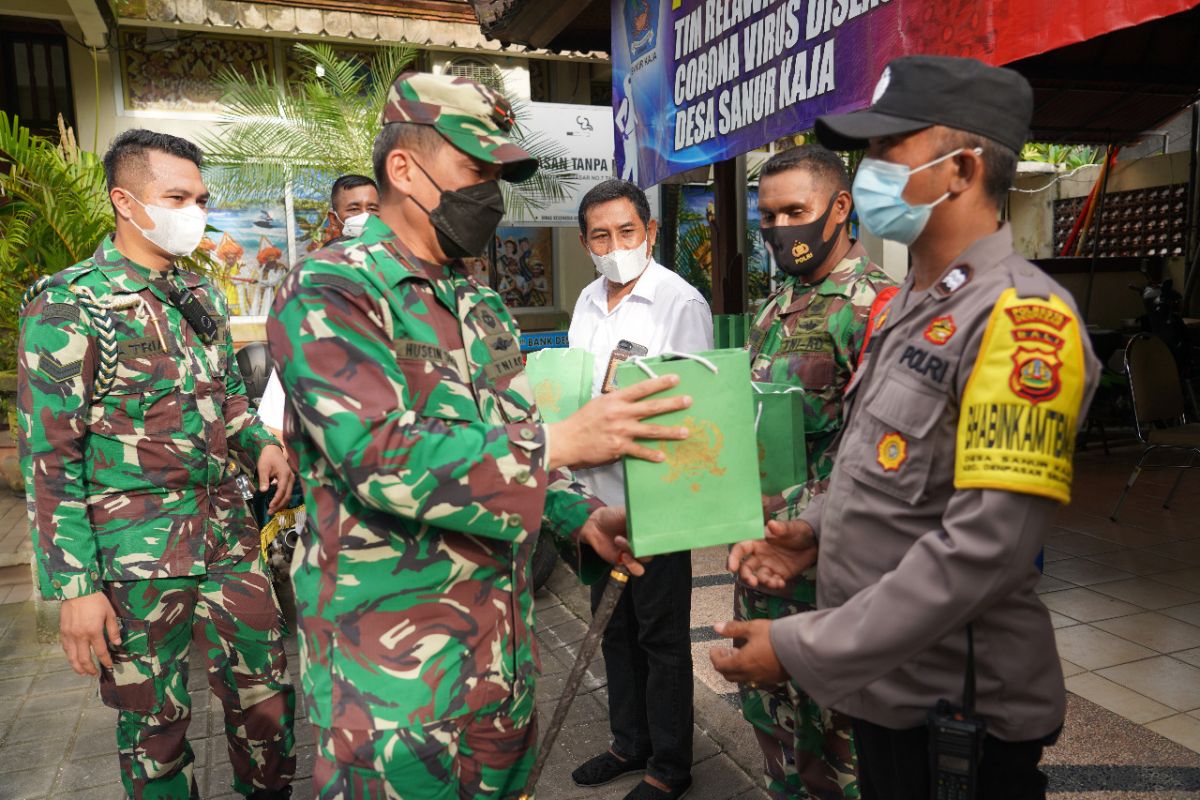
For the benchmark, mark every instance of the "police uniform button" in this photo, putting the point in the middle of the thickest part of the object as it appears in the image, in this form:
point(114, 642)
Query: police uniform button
point(513, 522)
point(523, 476)
point(56, 583)
point(527, 434)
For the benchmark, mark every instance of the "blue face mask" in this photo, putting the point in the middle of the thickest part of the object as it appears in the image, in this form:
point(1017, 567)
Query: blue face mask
point(879, 197)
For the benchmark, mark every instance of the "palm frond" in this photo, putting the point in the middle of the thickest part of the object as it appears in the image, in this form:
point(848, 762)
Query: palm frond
point(55, 212)
point(269, 136)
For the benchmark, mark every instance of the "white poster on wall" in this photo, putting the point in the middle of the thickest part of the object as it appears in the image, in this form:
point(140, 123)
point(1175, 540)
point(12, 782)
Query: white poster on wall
point(584, 134)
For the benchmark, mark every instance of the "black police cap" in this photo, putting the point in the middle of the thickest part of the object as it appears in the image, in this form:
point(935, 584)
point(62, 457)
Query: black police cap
point(916, 92)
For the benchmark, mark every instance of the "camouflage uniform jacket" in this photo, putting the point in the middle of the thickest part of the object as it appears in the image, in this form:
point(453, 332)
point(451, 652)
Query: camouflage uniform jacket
point(423, 462)
point(132, 484)
point(811, 336)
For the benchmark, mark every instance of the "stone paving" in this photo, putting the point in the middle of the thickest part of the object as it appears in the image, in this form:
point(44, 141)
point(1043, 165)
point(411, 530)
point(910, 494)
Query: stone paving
point(57, 740)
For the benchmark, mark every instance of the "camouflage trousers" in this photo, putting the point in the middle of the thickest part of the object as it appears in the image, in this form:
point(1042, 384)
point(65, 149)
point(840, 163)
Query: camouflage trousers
point(476, 756)
point(808, 751)
point(236, 621)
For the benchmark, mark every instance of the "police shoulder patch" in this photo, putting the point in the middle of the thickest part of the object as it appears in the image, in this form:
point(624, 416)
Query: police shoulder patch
point(1020, 409)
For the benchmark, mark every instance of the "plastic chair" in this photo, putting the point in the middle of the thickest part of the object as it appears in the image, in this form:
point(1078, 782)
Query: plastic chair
point(1158, 410)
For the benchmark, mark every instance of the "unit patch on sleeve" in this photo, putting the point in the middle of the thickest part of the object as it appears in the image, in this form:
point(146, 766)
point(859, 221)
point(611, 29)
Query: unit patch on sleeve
point(940, 330)
point(892, 451)
point(1020, 409)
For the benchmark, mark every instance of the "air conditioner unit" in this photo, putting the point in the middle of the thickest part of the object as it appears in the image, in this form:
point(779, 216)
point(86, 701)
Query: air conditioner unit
point(474, 69)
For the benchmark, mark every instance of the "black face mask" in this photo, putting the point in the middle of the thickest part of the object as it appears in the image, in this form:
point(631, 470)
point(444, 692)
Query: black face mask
point(799, 249)
point(466, 219)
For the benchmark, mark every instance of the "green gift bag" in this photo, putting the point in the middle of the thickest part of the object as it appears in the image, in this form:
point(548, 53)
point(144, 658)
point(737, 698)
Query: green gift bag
point(561, 379)
point(743, 334)
point(720, 331)
point(730, 331)
point(779, 425)
point(707, 490)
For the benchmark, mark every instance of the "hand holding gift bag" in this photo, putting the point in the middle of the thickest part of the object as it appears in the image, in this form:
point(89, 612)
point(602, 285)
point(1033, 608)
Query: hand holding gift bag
point(561, 379)
point(779, 424)
point(707, 491)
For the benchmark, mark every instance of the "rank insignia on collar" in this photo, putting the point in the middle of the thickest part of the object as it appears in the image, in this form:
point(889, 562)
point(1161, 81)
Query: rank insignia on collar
point(892, 451)
point(954, 280)
point(940, 330)
point(880, 320)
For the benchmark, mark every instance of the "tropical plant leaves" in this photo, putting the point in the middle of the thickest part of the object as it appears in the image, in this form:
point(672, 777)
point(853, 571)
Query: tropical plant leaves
point(324, 125)
point(1067, 156)
point(54, 212)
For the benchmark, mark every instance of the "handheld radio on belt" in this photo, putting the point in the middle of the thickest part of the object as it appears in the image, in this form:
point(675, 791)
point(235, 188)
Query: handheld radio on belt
point(956, 741)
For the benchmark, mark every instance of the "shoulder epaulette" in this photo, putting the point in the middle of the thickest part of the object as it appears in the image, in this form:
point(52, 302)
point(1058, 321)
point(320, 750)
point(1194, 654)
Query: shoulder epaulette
point(86, 305)
point(64, 277)
point(347, 285)
point(1028, 280)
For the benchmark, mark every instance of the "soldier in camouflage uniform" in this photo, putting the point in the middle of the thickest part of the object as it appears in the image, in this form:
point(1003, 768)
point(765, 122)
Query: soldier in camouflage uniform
point(809, 333)
point(427, 470)
point(131, 407)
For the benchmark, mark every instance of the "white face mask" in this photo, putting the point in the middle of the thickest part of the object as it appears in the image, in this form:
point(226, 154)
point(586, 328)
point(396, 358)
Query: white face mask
point(353, 226)
point(622, 266)
point(176, 230)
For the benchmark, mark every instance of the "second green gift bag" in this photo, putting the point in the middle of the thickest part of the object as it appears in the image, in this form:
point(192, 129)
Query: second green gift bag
point(779, 419)
point(707, 491)
point(561, 381)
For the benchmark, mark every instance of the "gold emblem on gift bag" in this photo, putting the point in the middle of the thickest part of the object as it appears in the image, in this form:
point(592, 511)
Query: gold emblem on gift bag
point(547, 395)
point(696, 455)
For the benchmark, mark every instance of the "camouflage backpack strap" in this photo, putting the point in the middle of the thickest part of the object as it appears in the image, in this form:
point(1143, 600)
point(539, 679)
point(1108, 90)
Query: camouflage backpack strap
point(106, 335)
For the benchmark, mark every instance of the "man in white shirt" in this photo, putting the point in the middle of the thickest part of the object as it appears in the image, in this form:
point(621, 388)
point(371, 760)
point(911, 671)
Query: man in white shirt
point(639, 307)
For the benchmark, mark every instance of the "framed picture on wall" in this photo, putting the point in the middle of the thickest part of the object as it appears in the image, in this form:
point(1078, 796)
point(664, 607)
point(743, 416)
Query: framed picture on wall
point(520, 267)
point(249, 253)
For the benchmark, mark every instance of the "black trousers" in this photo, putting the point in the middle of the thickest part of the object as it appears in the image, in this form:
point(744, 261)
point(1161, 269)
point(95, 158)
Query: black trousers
point(894, 765)
point(648, 656)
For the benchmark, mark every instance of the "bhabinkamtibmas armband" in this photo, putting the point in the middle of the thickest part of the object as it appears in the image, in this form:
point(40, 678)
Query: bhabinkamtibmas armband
point(1020, 410)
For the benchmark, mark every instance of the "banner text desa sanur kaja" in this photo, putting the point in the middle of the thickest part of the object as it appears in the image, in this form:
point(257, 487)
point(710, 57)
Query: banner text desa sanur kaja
point(699, 81)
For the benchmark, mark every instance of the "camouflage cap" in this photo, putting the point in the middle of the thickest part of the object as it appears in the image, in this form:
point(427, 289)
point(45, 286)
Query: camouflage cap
point(475, 119)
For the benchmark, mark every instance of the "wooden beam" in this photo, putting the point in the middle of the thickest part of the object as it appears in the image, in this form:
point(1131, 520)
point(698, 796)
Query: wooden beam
point(534, 23)
point(433, 10)
point(728, 268)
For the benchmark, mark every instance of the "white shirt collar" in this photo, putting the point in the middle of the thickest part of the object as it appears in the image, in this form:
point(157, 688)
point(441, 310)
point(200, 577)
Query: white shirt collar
point(645, 288)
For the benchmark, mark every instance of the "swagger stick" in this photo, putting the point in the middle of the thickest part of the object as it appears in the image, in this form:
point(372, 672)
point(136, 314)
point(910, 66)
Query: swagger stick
point(617, 578)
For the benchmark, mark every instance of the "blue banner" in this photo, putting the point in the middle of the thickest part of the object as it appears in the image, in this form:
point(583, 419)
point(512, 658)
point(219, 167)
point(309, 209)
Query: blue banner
point(699, 81)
